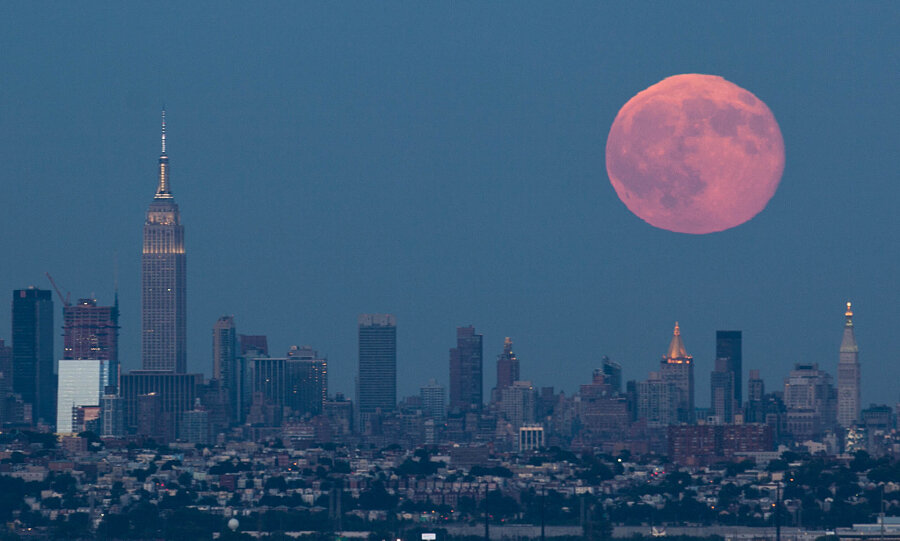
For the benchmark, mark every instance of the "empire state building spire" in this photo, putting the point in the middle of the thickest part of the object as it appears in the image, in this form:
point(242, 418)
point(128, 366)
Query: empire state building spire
point(163, 191)
point(163, 279)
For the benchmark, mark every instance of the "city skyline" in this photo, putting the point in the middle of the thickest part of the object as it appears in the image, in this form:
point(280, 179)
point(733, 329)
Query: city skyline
point(455, 194)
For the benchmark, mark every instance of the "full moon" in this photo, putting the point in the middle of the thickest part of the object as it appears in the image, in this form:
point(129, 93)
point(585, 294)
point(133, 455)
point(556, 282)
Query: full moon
point(695, 154)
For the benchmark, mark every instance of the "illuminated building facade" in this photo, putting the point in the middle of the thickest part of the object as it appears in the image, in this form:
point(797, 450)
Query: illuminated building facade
point(91, 331)
point(848, 406)
point(531, 437)
point(164, 275)
point(466, 371)
point(677, 368)
point(81, 383)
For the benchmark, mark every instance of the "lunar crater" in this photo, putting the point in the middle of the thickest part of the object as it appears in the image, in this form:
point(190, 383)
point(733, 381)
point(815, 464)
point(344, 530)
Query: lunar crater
point(695, 154)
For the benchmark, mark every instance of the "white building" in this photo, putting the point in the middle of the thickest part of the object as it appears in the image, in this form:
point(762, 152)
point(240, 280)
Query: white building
point(433, 402)
point(531, 437)
point(81, 383)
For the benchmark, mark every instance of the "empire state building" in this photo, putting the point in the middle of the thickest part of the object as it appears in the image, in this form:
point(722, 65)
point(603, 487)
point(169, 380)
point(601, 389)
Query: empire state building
point(163, 279)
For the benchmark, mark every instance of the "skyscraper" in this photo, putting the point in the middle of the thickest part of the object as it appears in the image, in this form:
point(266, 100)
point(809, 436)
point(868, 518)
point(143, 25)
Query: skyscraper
point(507, 367)
point(721, 383)
point(810, 399)
point(848, 375)
point(226, 369)
point(91, 331)
point(224, 349)
point(6, 370)
point(377, 381)
point(163, 279)
point(756, 391)
point(466, 371)
point(307, 380)
point(728, 347)
point(433, 401)
point(32, 338)
point(677, 368)
point(612, 374)
point(657, 401)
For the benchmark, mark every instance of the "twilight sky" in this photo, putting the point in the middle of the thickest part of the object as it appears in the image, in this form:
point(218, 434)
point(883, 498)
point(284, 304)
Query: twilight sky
point(445, 162)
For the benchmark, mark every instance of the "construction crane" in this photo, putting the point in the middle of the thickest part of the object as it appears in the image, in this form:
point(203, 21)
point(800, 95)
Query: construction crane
point(67, 300)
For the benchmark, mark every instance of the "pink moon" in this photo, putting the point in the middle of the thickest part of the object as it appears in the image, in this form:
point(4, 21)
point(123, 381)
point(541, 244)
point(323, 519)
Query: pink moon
point(695, 154)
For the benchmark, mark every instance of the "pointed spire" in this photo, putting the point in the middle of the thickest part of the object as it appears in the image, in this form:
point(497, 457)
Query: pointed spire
point(163, 191)
point(848, 342)
point(676, 346)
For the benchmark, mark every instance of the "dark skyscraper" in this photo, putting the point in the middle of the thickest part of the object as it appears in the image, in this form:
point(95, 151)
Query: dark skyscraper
point(175, 394)
point(32, 337)
point(507, 367)
point(257, 342)
point(377, 380)
point(225, 346)
point(6, 372)
point(612, 374)
point(721, 384)
point(307, 380)
point(163, 274)
point(728, 346)
point(226, 368)
point(91, 331)
point(466, 371)
point(756, 391)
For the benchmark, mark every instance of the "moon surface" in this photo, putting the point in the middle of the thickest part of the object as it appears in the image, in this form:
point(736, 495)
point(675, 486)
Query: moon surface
point(695, 154)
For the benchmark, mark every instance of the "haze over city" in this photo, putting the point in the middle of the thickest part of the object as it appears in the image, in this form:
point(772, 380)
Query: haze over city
point(446, 165)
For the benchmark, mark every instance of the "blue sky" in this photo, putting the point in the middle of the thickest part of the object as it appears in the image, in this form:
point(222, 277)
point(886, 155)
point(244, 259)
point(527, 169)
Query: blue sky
point(444, 162)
